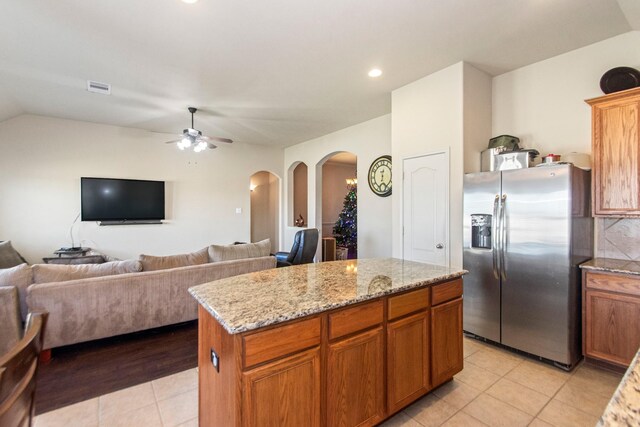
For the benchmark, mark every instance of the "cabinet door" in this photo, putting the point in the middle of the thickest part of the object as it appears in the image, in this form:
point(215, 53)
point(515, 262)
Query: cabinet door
point(283, 393)
point(407, 360)
point(355, 394)
point(446, 341)
point(616, 158)
point(612, 333)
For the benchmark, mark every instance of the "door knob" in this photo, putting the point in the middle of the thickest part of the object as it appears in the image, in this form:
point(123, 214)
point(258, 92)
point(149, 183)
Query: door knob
point(439, 246)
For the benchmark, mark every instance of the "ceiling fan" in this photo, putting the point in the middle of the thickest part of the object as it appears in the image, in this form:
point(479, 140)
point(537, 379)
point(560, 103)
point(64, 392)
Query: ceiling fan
point(193, 138)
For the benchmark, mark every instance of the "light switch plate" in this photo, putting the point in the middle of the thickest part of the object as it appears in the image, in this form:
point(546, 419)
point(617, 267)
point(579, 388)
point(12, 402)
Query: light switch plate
point(238, 210)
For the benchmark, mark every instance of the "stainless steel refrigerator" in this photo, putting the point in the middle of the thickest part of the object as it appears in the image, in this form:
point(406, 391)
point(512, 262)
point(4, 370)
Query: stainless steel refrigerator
point(525, 232)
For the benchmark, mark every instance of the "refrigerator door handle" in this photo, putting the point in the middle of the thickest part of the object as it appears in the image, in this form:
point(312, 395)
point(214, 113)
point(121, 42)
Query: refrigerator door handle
point(494, 237)
point(503, 236)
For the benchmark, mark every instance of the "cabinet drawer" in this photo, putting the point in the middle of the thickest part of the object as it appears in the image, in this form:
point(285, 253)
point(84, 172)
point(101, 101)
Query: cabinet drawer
point(614, 283)
point(354, 319)
point(408, 303)
point(273, 343)
point(446, 291)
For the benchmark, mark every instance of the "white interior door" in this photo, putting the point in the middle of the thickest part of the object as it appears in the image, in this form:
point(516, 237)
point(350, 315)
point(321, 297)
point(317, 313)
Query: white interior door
point(426, 209)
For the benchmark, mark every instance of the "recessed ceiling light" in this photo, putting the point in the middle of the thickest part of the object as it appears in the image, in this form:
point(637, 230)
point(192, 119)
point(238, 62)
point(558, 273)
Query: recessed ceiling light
point(375, 72)
point(189, 1)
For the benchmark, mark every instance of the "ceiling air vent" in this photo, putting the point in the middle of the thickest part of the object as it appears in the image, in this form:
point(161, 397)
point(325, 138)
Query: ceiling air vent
point(97, 87)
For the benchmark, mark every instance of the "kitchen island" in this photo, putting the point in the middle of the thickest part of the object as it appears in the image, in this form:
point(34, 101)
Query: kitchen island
point(624, 407)
point(337, 343)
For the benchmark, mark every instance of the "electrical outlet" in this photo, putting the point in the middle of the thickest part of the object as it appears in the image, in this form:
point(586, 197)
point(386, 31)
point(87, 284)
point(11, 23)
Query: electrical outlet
point(215, 360)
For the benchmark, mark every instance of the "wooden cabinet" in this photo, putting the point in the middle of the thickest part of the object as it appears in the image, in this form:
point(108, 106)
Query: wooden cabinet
point(352, 366)
point(283, 393)
point(446, 341)
point(407, 360)
point(616, 154)
point(355, 375)
point(611, 313)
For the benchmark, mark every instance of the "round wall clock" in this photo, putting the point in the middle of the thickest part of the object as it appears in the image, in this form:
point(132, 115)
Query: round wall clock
point(380, 176)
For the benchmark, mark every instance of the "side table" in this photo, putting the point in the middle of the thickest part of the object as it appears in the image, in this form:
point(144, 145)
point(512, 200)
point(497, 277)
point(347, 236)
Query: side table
point(74, 257)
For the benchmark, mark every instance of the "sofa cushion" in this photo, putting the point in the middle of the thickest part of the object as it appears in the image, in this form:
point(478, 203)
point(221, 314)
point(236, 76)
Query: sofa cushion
point(21, 277)
point(153, 263)
point(48, 273)
point(231, 252)
point(9, 257)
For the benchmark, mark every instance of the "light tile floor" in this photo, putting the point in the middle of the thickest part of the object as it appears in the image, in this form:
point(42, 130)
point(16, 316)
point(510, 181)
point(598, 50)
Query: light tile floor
point(166, 402)
point(496, 388)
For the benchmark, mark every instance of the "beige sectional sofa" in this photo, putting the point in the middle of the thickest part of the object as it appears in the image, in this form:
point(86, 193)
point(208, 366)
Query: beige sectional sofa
point(100, 307)
point(93, 301)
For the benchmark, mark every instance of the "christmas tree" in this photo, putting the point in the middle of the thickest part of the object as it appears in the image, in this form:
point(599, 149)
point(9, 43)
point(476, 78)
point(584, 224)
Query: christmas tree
point(345, 229)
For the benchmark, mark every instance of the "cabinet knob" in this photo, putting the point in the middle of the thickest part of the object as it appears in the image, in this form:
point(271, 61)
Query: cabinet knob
point(439, 246)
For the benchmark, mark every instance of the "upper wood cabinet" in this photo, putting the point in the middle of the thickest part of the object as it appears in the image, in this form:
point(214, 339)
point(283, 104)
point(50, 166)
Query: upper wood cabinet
point(616, 153)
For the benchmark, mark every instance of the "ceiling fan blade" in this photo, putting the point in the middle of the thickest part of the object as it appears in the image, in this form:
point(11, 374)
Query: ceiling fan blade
point(217, 138)
point(211, 146)
point(174, 141)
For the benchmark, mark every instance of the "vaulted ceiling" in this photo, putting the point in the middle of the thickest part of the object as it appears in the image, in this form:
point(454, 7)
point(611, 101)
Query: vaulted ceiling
point(269, 72)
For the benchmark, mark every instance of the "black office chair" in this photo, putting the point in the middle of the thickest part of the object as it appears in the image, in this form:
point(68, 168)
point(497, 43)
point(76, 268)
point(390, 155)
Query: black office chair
point(305, 244)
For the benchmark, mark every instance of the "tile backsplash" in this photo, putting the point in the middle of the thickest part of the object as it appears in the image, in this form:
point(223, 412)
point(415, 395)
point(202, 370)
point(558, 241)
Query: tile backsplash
point(618, 238)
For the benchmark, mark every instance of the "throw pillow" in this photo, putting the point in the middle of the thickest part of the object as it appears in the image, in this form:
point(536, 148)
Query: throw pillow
point(9, 257)
point(153, 263)
point(48, 273)
point(21, 277)
point(231, 252)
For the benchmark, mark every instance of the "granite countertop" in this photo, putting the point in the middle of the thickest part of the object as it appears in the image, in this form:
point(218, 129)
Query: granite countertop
point(251, 301)
point(624, 407)
point(612, 265)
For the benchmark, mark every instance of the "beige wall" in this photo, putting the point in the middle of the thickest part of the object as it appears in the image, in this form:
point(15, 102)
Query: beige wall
point(367, 141)
point(445, 111)
point(476, 115)
point(265, 208)
point(334, 190)
point(42, 160)
point(543, 103)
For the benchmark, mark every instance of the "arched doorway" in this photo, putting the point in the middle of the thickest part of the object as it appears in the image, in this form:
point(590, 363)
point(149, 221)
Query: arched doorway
point(337, 204)
point(265, 208)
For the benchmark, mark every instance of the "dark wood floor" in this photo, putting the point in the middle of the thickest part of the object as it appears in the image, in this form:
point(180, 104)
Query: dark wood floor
point(83, 371)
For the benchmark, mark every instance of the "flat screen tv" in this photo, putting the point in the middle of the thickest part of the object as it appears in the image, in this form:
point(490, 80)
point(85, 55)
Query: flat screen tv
point(121, 200)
